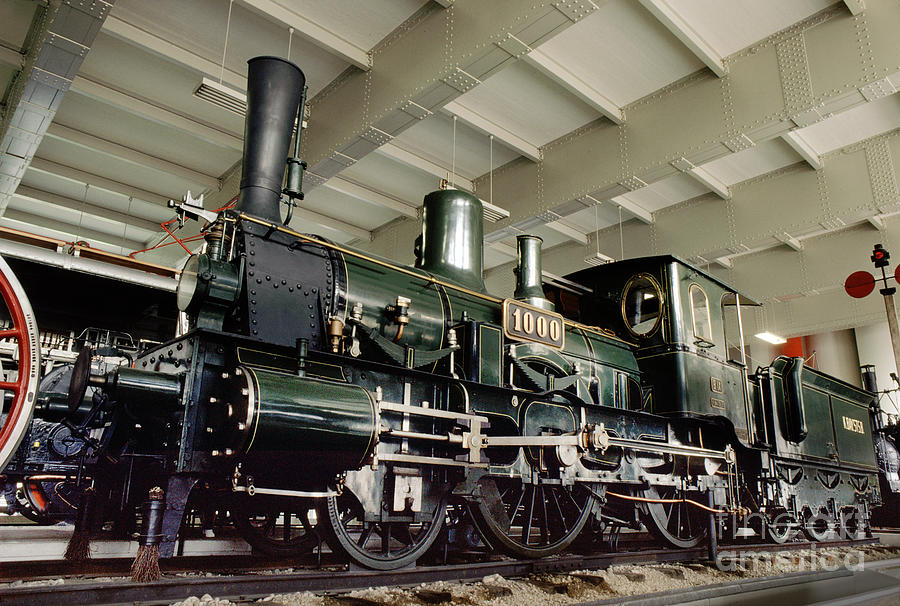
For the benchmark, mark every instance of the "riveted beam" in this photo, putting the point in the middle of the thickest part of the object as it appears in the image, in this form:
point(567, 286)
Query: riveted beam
point(764, 96)
point(75, 174)
point(128, 154)
point(112, 240)
point(789, 241)
point(802, 147)
point(86, 207)
point(675, 23)
point(395, 152)
point(367, 194)
point(454, 50)
point(304, 214)
point(148, 110)
point(855, 6)
point(321, 36)
point(567, 230)
point(488, 127)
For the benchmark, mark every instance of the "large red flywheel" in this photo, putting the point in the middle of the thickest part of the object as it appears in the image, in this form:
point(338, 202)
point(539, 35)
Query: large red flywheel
point(24, 331)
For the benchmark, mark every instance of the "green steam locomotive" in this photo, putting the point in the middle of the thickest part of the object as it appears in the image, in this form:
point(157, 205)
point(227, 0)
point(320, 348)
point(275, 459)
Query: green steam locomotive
point(375, 402)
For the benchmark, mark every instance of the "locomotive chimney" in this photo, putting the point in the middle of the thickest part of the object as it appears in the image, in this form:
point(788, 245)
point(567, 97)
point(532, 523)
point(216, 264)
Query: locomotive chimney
point(452, 238)
point(274, 87)
point(529, 286)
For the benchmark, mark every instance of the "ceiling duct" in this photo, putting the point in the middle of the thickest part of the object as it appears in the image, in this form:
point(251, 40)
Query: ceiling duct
point(222, 96)
point(64, 35)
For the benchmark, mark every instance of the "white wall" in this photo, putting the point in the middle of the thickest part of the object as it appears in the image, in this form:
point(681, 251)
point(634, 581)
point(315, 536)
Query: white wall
point(836, 354)
point(874, 345)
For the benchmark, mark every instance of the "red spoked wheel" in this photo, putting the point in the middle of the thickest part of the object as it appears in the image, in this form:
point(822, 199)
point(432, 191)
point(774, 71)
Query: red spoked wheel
point(15, 417)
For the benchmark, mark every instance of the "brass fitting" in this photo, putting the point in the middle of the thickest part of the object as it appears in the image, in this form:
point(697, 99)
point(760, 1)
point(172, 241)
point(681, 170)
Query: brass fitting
point(335, 334)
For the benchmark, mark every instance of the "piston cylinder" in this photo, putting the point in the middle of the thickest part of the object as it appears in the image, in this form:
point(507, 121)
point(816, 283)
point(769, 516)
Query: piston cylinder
point(283, 427)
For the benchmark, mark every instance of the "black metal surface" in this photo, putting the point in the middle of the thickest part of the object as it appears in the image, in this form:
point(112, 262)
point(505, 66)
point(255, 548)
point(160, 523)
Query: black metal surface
point(248, 585)
point(78, 384)
point(274, 87)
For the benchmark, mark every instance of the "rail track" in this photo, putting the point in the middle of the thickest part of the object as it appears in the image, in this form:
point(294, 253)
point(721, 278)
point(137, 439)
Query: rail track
point(256, 583)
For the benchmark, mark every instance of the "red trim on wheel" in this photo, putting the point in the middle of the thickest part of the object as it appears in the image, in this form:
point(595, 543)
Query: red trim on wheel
point(19, 331)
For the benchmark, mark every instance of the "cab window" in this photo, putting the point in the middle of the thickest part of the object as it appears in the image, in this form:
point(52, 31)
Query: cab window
point(700, 314)
point(641, 305)
point(733, 340)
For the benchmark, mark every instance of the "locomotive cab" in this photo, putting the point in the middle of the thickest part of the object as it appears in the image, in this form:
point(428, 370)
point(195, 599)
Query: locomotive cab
point(686, 327)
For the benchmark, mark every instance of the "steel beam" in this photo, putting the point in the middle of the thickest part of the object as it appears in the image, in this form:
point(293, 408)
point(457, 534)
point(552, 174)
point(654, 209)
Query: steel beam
point(315, 33)
point(160, 46)
point(367, 194)
point(806, 151)
point(75, 174)
point(87, 207)
point(73, 231)
point(855, 6)
point(133, 156)
point(702, 176)
point(675, 23)
point(501, 134)
point(395, 152)
point(567, 230)
point(790, 241)
point(712, 113)
point(629, 206)
point(304, 214)
point(143, 108)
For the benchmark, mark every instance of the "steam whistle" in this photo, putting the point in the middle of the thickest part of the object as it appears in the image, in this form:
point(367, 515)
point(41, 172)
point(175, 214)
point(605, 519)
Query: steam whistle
point(293, 187)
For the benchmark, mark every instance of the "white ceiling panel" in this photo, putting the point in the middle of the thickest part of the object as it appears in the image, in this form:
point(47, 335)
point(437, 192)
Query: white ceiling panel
point(596, 217)
point(67, 236)
point(622, 51)
point(861, 122)
point(250, 35)
point(731, 25)
point(494, 258)
point(432, 139)
point(104, 165)
point(155, 80)
point(517, 98)
point(391, 177)
point(666, 192)
point(754, 161)
point(366, 215)
point(118, 126)
point(363, 24)
point(116, 230)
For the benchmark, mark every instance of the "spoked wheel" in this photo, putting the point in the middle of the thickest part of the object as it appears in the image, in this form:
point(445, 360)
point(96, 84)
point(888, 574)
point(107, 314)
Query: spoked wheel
point(819, 527)
point(374, 544)
point(672, 519)
point(782, 528)
point(276, 527)
point(15, 412)
point(528, 520)
point(852, 525)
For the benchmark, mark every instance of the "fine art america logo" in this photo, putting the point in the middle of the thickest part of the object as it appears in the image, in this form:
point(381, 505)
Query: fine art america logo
point(816, 557)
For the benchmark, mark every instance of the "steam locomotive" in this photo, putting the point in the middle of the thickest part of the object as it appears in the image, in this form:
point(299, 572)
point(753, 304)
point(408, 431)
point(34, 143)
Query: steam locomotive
point(342, 394)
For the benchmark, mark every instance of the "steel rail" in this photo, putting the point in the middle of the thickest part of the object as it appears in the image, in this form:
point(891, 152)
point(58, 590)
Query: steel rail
point(245, 586)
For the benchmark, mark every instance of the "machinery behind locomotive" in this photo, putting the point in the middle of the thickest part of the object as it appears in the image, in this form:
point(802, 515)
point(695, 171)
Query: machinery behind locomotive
point(379, 400)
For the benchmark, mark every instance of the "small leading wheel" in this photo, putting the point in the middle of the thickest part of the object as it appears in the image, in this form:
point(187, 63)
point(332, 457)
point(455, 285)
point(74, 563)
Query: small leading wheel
point(380, 545)
point(15, 413)
point(531, 520)
point(669, 517)
point(276, 527)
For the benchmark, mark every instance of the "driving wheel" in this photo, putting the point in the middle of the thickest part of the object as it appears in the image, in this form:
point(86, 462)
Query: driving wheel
point(16, 411)
point(669, 517)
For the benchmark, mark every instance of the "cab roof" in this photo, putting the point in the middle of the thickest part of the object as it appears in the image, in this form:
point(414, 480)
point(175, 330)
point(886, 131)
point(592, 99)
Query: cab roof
point(586, 276)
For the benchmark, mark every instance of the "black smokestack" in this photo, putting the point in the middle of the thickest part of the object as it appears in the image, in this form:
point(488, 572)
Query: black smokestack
point(274, 87)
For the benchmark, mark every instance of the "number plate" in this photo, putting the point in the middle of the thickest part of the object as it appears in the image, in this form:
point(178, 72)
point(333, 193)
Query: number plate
point(527, 323)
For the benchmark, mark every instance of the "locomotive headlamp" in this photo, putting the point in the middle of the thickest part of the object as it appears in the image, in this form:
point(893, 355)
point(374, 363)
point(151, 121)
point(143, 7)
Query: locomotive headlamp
point(206, 282)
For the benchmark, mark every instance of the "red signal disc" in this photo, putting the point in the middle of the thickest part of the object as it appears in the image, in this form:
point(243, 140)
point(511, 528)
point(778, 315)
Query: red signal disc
point(897, 274)
point(859, 284)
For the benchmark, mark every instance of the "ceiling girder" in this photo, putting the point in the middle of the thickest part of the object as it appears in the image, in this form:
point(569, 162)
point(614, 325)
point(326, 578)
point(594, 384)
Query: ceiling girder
point(305, 214)
point(681, 29)
point(800, 145)
point(454, 50)
point(75, 174)
point(710, 113)
point(856, 183)
point(367, 194)
point(10, 57)
point(79, 233)
point(395, 152)
point(133, 156)
point(85, 207)
point(315, 33)
point(488, 127)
